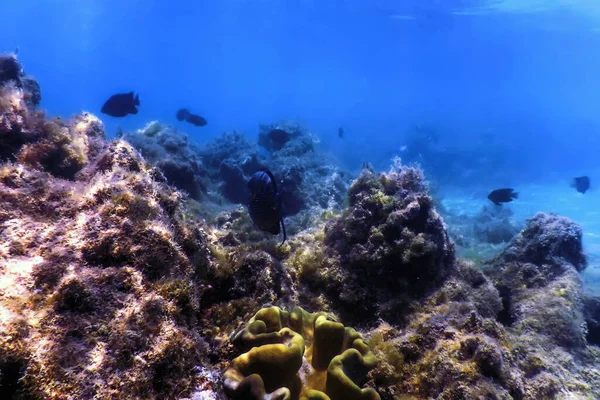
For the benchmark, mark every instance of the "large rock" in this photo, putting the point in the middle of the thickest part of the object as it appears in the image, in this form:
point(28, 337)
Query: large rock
point(100, 273)
point(172, 153)
point(388, 249)
point(537, 277)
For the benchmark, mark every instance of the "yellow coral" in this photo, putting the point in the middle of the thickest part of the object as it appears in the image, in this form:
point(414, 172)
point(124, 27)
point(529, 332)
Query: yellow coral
point(298, 355)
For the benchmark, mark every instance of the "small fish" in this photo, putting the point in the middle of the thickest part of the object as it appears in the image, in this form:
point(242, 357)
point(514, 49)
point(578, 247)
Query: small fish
point(502, 196)
point(581, 184)
point(194, 119)
point(265, 203)
point(341, 132)
point(120, 105)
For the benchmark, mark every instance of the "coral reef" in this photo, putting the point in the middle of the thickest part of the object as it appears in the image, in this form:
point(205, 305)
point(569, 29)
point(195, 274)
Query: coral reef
point(298, 355)
point(113, 286)
point(11, 72)
point(390, 248)
point(542, 298)
point(309, 182)
point(61, 148)
point(452, 347)
point(172, 153)
point(100, 274)
point(537, 276)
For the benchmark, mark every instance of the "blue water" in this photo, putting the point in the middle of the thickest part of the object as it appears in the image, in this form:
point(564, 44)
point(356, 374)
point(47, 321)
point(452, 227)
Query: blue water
point(510, 87)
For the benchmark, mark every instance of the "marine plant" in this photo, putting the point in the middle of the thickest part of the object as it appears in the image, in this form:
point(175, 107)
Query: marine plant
point(298, 355)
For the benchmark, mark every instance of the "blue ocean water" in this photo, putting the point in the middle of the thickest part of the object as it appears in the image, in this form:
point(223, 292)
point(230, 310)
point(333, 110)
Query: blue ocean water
point(510, 88)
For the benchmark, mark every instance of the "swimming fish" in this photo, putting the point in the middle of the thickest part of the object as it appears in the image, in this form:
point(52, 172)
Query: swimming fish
point(341, 132)
point(265, 203)
point(502, 196)
point(120, 105)
point(194, 119)
point(582, 184)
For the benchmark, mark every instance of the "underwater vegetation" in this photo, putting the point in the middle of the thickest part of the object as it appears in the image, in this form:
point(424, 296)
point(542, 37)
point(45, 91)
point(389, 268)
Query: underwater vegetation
point(390, 238)
point(114, 284)
point(298, 355)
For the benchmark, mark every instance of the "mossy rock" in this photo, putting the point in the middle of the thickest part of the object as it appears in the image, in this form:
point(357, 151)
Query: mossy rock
point(297, 355)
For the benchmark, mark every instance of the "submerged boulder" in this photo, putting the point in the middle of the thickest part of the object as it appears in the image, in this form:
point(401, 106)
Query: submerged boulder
point(173, 154)
point(386, 251)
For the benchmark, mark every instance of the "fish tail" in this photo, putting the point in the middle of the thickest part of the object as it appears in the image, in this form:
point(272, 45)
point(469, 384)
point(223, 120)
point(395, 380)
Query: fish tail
point(514, 195)
point(137, 100)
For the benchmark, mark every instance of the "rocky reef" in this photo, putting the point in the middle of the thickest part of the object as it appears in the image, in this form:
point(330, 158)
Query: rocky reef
point(98, 266)
point(114, 285)
point(484, 235)
point(173, 154)
point(515, 330)
point(389, 238)
point(310, 183)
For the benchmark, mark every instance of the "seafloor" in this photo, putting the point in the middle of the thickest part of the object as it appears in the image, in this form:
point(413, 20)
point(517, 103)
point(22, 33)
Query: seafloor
point(128, 270)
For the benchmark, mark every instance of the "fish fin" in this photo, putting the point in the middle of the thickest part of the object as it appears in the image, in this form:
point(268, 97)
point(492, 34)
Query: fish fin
point(498, 204)
point(514, 195)
point(268, 172)
point(284, 234)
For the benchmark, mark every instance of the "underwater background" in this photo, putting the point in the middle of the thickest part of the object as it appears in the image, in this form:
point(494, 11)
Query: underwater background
point(479, 94)
point(509, 87)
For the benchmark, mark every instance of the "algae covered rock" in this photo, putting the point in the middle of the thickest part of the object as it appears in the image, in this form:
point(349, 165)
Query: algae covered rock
point(548, 239)
point(11, 72)
point(298, 355)
point(100, 271)
point(309, 180)
point(537, 276)
point(391, 245)
point(173, 154)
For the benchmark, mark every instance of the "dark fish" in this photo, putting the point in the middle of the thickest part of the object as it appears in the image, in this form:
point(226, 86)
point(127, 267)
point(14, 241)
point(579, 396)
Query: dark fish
point(265, 203)
point(341, 132)
point(182, 114)
point(120, 105)
point(194, 119)
point(582, 184)
point(502, 196)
